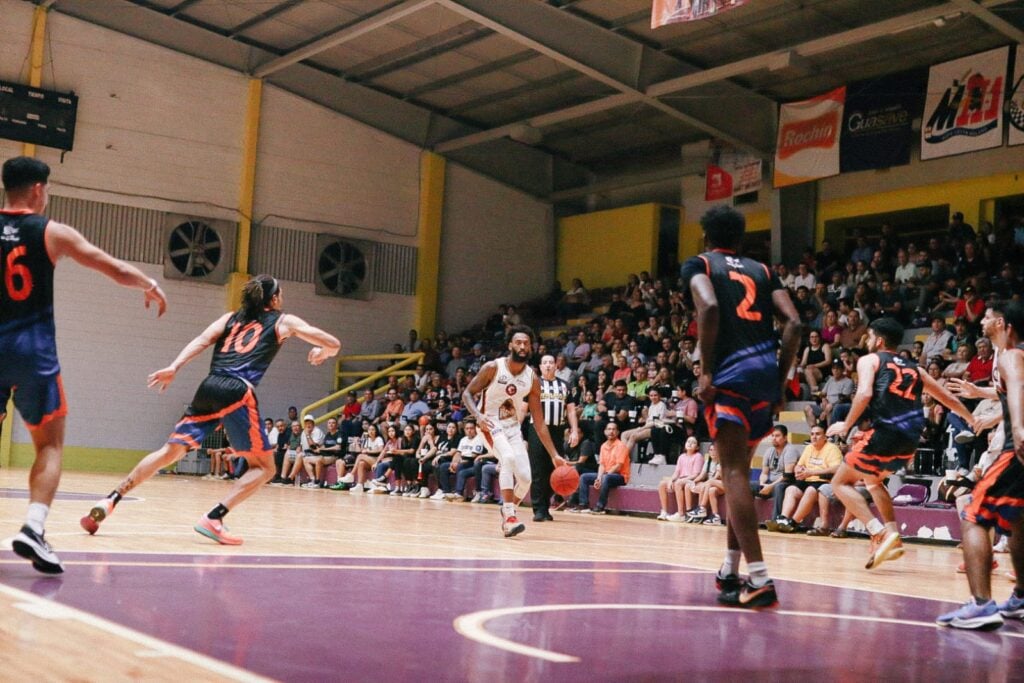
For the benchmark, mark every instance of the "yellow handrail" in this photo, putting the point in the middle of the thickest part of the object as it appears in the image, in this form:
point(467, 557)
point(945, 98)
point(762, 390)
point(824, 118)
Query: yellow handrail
point(369, 378)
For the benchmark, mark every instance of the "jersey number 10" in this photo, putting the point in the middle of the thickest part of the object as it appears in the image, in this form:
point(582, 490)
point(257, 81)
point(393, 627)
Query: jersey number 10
point(243, 341)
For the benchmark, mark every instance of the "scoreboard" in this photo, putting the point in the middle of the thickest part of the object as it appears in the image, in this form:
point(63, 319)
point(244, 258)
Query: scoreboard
point(36, 116)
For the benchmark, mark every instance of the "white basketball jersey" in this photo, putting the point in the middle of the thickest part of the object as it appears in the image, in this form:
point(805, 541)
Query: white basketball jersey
point(505, 397)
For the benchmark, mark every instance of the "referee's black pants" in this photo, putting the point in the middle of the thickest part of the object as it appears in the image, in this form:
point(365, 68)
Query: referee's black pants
point(541, 467)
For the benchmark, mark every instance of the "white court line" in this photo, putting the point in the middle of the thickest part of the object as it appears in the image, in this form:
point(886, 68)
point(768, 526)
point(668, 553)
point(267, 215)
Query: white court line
point(472, 625)
point(154, 647)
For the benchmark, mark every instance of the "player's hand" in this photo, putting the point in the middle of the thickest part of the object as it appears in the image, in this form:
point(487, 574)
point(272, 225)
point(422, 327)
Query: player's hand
point(157, 296)
point(574, 438)
point(705, 389)
point(961, 387)
point(317, 355)
point(837, 429)
point(558, 461)
point(488, 424)
point(162, 378)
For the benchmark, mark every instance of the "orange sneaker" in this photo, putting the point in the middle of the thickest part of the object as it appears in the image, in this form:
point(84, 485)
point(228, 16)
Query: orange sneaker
point(885, 546)
point(962, 567)
point(215, 529)
point(100, 511)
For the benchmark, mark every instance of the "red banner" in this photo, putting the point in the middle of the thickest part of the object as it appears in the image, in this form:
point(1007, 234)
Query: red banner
point(718, 184)
point(677, 11)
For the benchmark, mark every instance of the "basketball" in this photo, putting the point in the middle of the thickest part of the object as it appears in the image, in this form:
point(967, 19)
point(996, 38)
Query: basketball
point(565, 480)
point(424, 420)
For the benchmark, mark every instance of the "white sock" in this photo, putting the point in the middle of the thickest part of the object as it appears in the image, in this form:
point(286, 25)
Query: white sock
point(509, 509)
point(36, 518)
point(731, 564)
point(875, 527)
point(758, 573)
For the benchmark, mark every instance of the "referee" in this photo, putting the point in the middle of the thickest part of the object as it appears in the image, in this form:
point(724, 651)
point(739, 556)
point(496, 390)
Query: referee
point(558, 408)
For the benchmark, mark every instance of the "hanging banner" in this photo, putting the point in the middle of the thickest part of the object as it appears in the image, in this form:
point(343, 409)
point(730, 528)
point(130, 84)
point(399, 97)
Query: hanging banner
point(964, 108)
point(677, 11)
point(808, 143)
point(1015, 118)
point(877, 121)
point(746, 177)
point(717, 184)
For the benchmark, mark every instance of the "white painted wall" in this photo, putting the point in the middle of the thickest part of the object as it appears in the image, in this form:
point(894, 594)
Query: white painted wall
point(161, 130)
point(317, 166)
point(497, 246)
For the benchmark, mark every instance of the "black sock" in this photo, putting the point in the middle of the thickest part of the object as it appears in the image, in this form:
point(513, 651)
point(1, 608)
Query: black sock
point(1019, 593)
point(115, 497)
point(217, 512)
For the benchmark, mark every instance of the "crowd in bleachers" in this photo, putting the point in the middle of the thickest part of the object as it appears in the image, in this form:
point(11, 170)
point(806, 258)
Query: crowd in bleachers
point(635, 365)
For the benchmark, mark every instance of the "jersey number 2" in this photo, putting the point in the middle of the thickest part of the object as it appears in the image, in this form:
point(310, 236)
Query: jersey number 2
point(17, 276)
point(749, 296)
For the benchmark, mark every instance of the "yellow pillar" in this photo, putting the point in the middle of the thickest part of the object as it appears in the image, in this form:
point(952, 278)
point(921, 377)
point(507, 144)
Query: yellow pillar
point(246, 191)
point(5, 436)
point(432, 167)
point(35, 68)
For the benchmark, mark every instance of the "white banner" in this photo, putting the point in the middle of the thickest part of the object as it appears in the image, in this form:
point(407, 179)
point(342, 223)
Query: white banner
point(808, 144)
point(1015, 119)
point(963, 111)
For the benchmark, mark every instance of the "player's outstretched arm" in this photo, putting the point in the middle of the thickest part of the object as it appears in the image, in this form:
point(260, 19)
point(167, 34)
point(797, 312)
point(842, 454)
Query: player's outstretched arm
point(946, 398)
point(63, 240)
point(1011, 368)
point(325, 345)
point(162, 378)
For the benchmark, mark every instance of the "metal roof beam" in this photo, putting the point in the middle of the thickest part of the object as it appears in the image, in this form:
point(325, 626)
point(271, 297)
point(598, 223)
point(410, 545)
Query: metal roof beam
point(605, 57)
point(993, 20)
point(263, 17)
point(344, 35)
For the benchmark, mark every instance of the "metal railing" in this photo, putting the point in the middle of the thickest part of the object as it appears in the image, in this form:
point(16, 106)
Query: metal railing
point(405, 361)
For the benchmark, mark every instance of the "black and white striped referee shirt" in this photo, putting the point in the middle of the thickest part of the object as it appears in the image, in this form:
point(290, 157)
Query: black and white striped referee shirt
point(553, 396)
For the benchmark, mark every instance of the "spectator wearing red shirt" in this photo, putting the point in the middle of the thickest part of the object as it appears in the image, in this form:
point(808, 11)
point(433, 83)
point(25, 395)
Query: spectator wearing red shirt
point(979, 369)
point(969, 306)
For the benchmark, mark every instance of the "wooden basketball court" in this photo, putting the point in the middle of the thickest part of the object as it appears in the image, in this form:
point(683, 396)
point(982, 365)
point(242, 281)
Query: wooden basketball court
point(338, 586)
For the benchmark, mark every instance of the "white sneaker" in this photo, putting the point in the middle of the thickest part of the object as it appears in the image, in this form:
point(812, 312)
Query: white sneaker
point(1003, 546)
point(379, 488)
point(663, 516)
point(311, 485)
point(966, 436)
point(675, 517)
point(424, 492)
point(348, 478)
point(356, 488)
point(438, 495)
point(657, 460)
point(477, 497)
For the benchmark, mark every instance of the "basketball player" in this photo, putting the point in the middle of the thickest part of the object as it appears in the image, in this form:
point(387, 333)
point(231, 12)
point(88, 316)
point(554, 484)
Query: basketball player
point(559, 408)
point(244, 344)
point(507, 386)
point(740, 382)
point(889, 393)
point(30, 247)
point(997, 500)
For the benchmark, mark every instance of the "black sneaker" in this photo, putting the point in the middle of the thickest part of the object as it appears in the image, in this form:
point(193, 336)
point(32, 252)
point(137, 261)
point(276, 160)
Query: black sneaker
point(33, 546)
point(749, 597)
point(728, 583)
point(539, 517)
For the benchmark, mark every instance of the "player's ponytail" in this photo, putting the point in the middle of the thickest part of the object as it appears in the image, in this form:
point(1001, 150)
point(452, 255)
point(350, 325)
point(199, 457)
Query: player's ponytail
point(256, 295)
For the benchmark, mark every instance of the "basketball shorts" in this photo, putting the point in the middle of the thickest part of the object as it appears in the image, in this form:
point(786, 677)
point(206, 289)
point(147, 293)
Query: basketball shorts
point(879, 453)
point(228, 400)
point(30, 369)
point(754, 416)
point(998, 498)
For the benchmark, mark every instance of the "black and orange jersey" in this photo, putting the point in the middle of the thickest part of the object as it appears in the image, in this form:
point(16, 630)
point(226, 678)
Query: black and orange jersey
point(896, 398)
point(246, 347)
point(1001, 392)
point(26, 288)
point(746, 352)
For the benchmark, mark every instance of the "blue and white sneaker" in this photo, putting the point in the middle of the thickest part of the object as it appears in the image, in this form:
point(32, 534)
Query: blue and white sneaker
point(971, 615)
point(1013, 608)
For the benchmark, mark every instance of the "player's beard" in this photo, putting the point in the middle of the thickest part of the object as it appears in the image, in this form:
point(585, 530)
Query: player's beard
point(520, 357)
